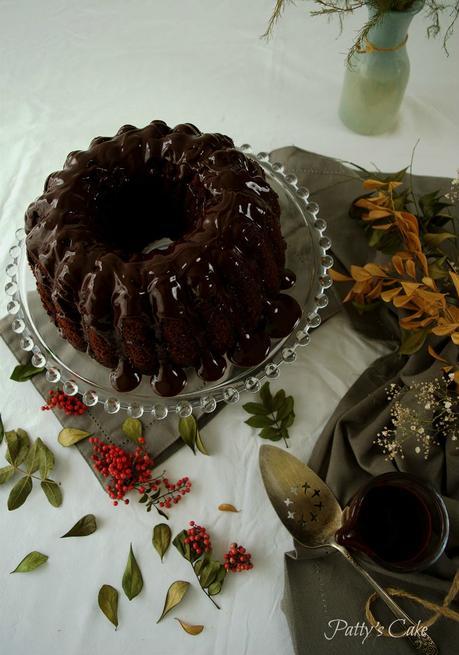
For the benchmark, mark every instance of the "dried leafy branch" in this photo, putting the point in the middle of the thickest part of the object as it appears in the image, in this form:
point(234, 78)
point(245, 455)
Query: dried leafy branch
point(419, 280)
point(274, 415)
point(434, 10)
point(32, 457)
point(209, 572)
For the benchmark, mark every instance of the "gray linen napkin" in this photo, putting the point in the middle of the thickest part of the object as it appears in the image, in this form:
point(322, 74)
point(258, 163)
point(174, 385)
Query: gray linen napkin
point(328, 589)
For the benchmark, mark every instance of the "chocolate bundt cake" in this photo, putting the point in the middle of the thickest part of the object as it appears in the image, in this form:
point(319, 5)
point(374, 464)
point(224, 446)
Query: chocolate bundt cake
point(160, 249)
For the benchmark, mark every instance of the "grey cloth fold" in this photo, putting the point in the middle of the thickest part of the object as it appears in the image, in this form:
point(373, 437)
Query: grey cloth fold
point(326, 589)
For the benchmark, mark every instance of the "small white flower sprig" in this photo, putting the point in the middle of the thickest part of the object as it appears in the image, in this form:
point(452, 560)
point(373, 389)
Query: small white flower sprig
point(431, 418)
point(453, 194)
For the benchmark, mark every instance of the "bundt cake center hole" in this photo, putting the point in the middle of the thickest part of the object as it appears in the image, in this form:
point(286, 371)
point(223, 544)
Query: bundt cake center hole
point(141, 215)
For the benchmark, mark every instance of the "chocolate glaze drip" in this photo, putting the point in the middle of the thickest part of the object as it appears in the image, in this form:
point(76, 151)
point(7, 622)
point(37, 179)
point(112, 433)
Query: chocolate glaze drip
point(212, 367)
point(251, 349)
point(139, 309)
point(170, 381)
point(283, 314)
point(288, 279)
point(124, 378)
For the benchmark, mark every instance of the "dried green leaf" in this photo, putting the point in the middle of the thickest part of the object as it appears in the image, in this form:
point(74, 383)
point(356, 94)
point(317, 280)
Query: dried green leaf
point(188, 429)
point(31, 562)
point(200, 445)
point(2, 429)
point(190, 628)
point(278, 400)
point(82, 528)
point(19, 493)
point(285, 409)
point(412, 341)
point(255, 408)
point(437, 238)
point(132, 578)
point(132, 428)
point(208, 573)
point(437, 268)
point(183, 548)
point(174, 596)
point(45, 458)
point(18, 446)
point(32, 461)
point(199, 564)
point(24, 372)
point(6, 473)
point(12, 446)
point(288, 420)
point(161, 538)
point(259, 421)
point(215, 588)
point(266, 396)
point(52, 492)
point(108, 603)
point(221, 575)
point(272, 434)
point(70, 436)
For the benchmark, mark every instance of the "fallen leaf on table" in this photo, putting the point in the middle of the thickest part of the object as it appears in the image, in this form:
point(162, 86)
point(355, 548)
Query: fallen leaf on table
point(108, 603)
point(227, 507)
point(132, 428)
point(161, 538)
point(70, 436)
point(24, 372)
point(174, 596)
point(190, 628)
point(82, 528)
point(20, 492)
point(132, 578)
point(31, 562)
point(52, 492)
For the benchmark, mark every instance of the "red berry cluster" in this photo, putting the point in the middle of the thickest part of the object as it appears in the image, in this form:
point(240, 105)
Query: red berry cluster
point(71, 405)
point(174, 493)
point(126, 470)
point(198, 539)
point(237, 559)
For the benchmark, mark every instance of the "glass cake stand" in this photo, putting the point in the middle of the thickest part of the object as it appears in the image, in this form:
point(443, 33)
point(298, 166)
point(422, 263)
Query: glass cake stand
point(78, 373)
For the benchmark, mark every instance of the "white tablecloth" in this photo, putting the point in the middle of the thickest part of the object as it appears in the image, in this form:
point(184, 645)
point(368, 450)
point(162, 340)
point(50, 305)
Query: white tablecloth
point(73, 70)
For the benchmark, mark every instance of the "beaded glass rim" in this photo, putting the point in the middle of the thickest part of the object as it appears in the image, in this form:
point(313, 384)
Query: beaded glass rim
point(204, 399)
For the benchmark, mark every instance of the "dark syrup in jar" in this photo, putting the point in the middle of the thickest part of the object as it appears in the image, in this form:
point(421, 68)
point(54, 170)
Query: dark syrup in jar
point(390, 523)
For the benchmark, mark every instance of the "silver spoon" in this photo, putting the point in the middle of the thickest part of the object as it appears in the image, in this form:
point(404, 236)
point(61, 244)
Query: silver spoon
point(310, 512)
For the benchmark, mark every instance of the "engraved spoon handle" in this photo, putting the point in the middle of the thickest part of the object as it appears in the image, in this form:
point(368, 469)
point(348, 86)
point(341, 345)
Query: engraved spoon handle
point(423, 644)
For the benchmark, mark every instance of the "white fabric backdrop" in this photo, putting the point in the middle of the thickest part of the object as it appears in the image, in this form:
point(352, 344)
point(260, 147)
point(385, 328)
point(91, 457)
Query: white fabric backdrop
point(73, 70)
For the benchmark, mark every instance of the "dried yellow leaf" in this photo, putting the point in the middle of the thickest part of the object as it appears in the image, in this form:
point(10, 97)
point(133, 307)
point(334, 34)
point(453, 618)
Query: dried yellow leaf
point(339, 277)
point(390, 294)
point(374, 184)
point(375, 214)
point(359, 273)
point(227, 507)
point(455, 279)
point(190, 628)
point(70, 436)
point(435, 355)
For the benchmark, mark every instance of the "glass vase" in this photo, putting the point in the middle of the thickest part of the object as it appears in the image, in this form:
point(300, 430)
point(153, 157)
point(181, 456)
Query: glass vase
point(377, 74)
